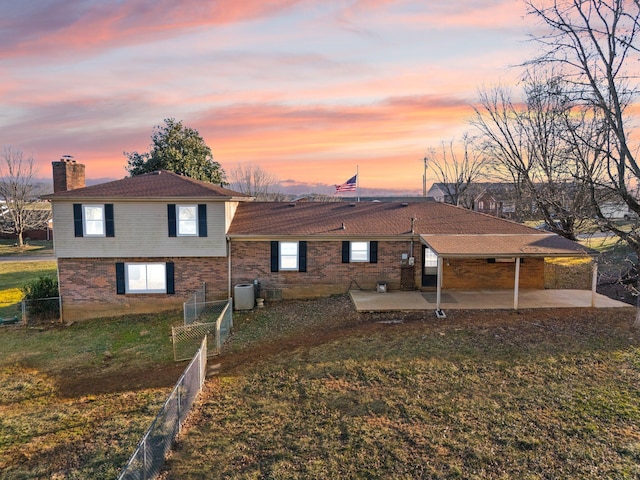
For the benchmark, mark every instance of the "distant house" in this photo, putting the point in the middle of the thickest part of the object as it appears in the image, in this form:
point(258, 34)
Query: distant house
point(145, 243)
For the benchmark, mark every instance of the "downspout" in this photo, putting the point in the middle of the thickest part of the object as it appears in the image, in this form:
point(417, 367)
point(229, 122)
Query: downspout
point(228, 266)
point(439, 283)
point(516, 284)
point(594, 284)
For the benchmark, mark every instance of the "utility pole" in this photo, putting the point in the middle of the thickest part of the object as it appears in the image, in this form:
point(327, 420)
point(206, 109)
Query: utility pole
point(424, 178)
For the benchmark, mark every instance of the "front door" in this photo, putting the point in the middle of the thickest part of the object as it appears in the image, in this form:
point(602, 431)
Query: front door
point(429, 267)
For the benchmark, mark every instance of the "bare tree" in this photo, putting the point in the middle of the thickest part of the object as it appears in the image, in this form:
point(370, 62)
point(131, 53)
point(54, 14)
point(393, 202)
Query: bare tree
point(457, 171)
point(19, 195)
point(527, 143)
point(594, 44)
point(255, 181)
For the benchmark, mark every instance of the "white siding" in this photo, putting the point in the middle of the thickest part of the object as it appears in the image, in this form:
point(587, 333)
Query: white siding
point(141, 230)
point(230, 211)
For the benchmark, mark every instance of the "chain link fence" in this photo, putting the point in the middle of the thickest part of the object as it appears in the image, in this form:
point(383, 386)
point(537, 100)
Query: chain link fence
point(148, 459)
point(40, 310)
point(215, 321)
point(195, 305)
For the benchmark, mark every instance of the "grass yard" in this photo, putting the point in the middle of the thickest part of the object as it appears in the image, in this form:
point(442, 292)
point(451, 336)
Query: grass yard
point(314, 390)
point(75, 400)
point(15, 274)
point(33, 248)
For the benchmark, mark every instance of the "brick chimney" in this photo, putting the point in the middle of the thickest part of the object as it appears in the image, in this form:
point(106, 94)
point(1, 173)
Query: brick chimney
point(67, 174)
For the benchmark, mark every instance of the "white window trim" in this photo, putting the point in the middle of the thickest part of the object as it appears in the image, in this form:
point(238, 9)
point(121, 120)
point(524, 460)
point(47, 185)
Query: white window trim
point(85, 232)
point(367, 250)
point(146, 265)
point(282, 256)
point(178, 222)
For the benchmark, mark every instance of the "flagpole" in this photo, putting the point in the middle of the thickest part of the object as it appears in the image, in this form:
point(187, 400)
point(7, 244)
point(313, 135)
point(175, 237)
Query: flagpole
point(357, 183)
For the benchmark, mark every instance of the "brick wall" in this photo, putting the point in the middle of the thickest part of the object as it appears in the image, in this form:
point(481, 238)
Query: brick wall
point(67, 175)
point(325, 275)
point(477, 273)
point(88, 286)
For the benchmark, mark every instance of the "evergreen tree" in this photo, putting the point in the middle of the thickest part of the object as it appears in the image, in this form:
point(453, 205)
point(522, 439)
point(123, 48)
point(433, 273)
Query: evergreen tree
point(179, 149)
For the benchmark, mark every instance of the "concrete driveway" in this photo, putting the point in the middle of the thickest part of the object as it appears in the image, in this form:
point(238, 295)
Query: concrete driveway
point(371, 301)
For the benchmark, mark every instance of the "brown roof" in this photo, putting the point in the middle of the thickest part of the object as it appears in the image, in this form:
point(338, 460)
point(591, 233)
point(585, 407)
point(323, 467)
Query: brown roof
point(160, 184)
point(496, 245)
point(365, 219)
point(449, 230)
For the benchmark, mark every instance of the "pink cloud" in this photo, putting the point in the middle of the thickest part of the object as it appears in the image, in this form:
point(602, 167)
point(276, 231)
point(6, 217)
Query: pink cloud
point(75, 26)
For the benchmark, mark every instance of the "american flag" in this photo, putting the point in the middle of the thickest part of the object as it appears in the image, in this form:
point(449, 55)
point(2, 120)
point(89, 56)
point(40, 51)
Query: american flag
point(348, 186)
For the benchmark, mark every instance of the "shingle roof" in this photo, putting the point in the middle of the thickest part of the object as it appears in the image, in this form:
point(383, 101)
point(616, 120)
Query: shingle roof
point(446, 228)
point(492, 245)
point(365, 219)
point(160, 184)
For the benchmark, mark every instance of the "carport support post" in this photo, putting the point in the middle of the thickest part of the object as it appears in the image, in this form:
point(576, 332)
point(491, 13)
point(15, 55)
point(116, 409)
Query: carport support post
point(439, 283)
point(516, 284)
point(594, 284)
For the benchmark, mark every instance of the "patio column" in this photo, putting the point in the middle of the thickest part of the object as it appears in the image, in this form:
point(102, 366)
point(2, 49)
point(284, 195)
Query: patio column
point(594, 284)
point(516, 284)
point(439, 283)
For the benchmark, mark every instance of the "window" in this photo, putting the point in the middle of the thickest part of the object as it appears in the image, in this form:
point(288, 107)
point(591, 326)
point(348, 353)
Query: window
point(359, 252)
point(289, 256)
point(93, 217)
point(154, 277)
point(187, 220)
point(480, 205)
point(93, 220)
point(430, 258)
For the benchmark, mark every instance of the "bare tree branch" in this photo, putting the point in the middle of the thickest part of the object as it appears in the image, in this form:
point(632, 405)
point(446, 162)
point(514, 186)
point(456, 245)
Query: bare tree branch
point(19, 194)
point(456, 171)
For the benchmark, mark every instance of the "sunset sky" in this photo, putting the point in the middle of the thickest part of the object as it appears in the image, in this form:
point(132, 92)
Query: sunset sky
point(308, 90)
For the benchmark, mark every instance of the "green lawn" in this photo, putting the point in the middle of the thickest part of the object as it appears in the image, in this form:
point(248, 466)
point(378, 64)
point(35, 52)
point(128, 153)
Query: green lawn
point(33, 248)
point(14, 275)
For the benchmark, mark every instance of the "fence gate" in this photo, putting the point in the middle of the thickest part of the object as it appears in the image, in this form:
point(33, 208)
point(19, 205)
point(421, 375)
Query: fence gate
point(214, 321)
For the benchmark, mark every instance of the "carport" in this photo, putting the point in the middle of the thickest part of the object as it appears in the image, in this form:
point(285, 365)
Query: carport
point(511, 248)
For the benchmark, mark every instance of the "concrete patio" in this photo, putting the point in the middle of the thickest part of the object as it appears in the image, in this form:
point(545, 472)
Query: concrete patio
point(372, 301)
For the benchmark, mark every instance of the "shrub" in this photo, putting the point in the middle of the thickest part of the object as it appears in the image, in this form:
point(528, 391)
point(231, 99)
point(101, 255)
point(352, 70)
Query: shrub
point(39, 292)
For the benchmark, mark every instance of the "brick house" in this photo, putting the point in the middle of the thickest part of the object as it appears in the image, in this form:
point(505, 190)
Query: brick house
point(145, 243)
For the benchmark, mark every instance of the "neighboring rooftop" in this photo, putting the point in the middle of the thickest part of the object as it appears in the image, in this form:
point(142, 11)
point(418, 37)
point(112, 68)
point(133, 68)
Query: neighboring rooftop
point(160, 184)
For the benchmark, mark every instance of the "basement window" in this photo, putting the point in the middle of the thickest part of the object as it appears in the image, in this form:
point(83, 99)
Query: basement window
point(145, 278)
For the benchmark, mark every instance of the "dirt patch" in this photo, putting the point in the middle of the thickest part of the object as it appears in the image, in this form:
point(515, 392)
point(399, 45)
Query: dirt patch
point(81, 384)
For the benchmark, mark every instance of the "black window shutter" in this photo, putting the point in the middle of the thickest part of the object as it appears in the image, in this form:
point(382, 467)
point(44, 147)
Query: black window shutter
point(302, 256)
point(345, 252)
point(77, 220)
point(202, 220)
point(171, 284)
point(109, 222)
point(171, 215)
point(373, 252)
point(275, 256)
point(120, 284)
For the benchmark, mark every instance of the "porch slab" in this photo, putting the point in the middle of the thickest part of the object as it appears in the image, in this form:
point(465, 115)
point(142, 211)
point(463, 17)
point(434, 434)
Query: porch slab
point(372, 301)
